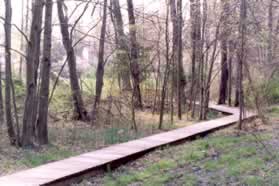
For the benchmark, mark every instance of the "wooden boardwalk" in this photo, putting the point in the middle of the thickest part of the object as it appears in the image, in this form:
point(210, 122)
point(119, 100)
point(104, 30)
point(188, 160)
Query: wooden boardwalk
point(64, 171)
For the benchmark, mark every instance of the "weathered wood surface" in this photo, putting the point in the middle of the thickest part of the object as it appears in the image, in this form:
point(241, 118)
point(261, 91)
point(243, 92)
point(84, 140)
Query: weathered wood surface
point(55, 172)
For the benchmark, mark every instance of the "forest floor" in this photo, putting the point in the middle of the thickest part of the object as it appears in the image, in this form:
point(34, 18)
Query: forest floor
point(68, 138)
point(226, 157)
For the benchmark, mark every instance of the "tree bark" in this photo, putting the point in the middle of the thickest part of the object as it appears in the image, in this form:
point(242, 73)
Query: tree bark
point(167, 70)
point(42, 122)
point(230, 70)
point(223, 90)
point(33, 57)
point(181, 82)
point(241, 58)
point(80, 112)
point(224, 74)
point(195, 14)
point(204, 61)
point(134, 55)
point(101, 62)
point(122, 47)
point(178, 72)
point(8, 72)
point(270, 33)
point(1, 99)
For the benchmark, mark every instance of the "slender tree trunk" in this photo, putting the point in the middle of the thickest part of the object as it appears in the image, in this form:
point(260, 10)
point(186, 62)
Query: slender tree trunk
point(195, 14)
point(21, 40)
point(210, 71)
point(101, 62)
point(224, 74)
point(270, 33)
point(166, 74)
point(80, 112)
point(181, 82)
point(33, 57)
point(223, 90)
point(134, 55)
point(42, 122)
point(241, 58)
point(1, 99)
point(230, 70)
point(204, 60)
point(8, 72)
point(122, 47)
point(157, 78)
point(236, 99)
point(178, 72)
point(193, 57)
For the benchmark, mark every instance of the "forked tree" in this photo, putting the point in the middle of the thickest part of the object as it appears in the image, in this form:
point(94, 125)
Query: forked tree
point(80, 112)
point(42, 122)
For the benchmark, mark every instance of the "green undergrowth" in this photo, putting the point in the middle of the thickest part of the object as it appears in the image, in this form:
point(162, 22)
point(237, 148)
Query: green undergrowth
point(36, 158)
point(213, 160)
point(274, 111)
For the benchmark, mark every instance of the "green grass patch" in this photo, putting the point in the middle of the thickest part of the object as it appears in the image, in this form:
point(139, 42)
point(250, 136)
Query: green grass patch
point(253, 181)
point(227, 158)
point(212, 165)
point(153, 175)
point(190, 180)
point(274, 111)
point(244, 166)
point(191, 156)
point(33, 159)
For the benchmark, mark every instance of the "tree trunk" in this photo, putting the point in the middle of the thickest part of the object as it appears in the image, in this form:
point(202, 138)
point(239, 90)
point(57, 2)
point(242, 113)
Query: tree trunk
point(230, 70)
point(210, 72)
point(195, 14)
point(193, 57)
point(167, 70)
point(236, 98)
point(1, 99)
point(33, 57)
point(181, 82)
point(42, 129)
point(21, 40)
point(224, 73)
point(80, 112)
point(204, 61)
point(223, 90)
point(101, 62)
point(134, 55)
point(241, 58)
point(270, 33)
point(122, 47)
point(8, 72)
point(178, 72)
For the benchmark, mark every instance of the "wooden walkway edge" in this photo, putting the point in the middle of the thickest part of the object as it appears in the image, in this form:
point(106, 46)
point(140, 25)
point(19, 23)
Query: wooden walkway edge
point(64, 171)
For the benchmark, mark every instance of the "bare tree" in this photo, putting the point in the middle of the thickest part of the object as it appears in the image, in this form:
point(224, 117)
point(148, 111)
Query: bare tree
point(230, 70)
point(33, 57)
point(224, 56)
point(121, 44)
point(181, 81)
point(195, 13)
point(241, 58)
point(101, 62)
point(167, 69)
point(42, 122)
point(204, 59)
point(1, 99)
point(8, 72)
point(178, 79)
point(80, 112)
point(270, 33)
point(134, 55)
